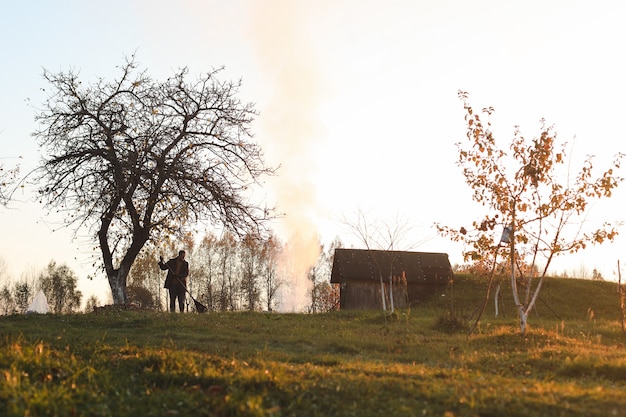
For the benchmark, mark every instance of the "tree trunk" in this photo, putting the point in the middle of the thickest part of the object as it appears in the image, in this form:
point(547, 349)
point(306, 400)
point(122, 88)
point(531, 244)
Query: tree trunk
point(382, 292)
point(117, 281)
point(496, 299)
point(622, 297)
point(391, 302)
point(523, 318)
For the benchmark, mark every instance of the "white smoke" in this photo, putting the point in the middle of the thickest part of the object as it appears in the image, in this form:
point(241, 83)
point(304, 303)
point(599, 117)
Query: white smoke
point(289, 126)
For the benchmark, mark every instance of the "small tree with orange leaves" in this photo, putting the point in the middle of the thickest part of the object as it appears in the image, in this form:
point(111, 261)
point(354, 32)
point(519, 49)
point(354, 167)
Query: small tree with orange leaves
point(522, 192)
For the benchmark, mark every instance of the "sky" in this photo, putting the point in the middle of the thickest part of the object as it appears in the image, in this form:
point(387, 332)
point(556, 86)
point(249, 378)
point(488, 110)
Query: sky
point(357, 102)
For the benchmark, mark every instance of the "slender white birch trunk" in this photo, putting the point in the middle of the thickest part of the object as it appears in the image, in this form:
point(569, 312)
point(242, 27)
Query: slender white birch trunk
point(382, 292)
point(496, 299)
point(391, 303)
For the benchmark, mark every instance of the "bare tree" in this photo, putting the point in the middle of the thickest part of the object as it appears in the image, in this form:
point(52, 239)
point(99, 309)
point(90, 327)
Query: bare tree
point(205, 267)
point(8, 179)
point(135, 159)
point(4, 274)
point(250, 258)
point(227, 252)
point(324, 295)
point(381, 236)
point(316, 275)
point(270, 280)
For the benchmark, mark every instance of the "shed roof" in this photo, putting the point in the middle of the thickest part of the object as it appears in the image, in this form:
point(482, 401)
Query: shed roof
point(365, 264)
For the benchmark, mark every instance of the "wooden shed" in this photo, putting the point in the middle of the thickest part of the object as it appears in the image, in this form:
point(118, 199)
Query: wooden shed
point(412, 276)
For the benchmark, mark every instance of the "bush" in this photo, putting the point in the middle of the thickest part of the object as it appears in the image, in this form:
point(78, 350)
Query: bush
point(141, 297)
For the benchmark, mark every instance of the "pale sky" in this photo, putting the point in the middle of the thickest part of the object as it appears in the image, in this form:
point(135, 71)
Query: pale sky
point(357, 99)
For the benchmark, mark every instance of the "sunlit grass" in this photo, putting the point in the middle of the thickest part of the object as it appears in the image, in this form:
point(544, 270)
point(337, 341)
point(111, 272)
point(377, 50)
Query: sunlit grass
point(335, 364)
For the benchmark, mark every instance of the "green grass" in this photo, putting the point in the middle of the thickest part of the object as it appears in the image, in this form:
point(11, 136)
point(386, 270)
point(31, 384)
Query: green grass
point(571, 363)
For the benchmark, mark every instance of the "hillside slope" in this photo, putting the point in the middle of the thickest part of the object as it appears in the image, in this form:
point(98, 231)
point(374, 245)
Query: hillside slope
point(559, 298)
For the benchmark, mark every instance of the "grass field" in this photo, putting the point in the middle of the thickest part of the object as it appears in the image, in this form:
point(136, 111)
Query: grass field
point(572, 362)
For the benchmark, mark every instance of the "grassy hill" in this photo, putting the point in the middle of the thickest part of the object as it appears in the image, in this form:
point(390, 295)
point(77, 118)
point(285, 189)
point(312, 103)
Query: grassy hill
point(572, 362)
point(559, 298)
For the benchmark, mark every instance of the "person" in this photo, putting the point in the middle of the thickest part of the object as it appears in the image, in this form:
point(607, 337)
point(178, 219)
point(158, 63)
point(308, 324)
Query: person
point(176, 280)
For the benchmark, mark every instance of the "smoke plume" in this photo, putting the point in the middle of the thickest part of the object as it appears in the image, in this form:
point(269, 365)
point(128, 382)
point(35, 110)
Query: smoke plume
point(288, 122)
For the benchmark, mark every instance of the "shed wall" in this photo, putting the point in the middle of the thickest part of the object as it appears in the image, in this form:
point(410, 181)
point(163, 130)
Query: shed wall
point(365, 295)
